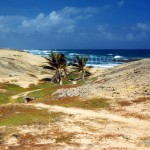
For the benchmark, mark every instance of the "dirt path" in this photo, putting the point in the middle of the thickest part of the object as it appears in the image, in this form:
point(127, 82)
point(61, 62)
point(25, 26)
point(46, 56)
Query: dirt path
point(24, 94)
point(85, 129)
point(94, 129)
point(103, 114)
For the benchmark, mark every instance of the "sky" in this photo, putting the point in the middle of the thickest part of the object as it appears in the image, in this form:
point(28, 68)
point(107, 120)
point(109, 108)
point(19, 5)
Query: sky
point(75, 24)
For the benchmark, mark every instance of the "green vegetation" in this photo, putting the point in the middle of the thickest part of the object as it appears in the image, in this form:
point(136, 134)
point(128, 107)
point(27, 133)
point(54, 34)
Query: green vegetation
point(57, 62)
point(80, 63)
point(87, 104)
point(43, 93)
point(73, 75)
point(11, 90)
point(20, 115)
point(45, 90)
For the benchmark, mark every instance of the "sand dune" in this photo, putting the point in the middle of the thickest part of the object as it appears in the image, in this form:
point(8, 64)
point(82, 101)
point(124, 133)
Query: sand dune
point(21, 68)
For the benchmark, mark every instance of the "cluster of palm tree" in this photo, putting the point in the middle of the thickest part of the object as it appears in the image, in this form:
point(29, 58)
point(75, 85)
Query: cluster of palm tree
point(58, 62)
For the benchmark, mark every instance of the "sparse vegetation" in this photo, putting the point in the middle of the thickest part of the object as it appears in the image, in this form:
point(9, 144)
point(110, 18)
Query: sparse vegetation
point(11, 90)
point(86, 104)
point(57, 62)
point(80, 64)
point(63, 137)
point(79, 122)
point(20, 115)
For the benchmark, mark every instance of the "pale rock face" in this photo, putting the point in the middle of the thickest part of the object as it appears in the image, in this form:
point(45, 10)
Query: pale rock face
point(74, 82)
point(12, 141)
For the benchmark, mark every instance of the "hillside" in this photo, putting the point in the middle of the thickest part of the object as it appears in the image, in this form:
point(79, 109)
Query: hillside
point(110, 110)
point(130, 79)
point(21, 68)
point(127, 81)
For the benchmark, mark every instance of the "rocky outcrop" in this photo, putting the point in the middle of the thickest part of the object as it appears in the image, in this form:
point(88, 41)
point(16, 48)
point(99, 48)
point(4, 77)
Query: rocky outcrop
point(128, 81)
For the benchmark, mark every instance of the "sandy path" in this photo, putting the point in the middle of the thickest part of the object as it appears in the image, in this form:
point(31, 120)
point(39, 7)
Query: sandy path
point(24, 94)
point(90, 129)
point(103, 114)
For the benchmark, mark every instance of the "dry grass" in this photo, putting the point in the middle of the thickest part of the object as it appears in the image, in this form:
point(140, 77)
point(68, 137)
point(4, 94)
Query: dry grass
point(141, 99)
point(21, 115)
point(79, 103)
point(110, 136)
point(135, 115)
point(124, 103)
point(44, 94)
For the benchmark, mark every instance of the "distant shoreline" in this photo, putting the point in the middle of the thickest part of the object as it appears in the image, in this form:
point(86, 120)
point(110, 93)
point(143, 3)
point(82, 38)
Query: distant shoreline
point(98, 58)
point(106, 58)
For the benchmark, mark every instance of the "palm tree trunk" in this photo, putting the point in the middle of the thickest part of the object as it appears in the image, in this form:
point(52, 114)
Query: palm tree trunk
point(60, 82)
point(83, 74)
point(65, 73)
point(54, 78)
point(60, 77)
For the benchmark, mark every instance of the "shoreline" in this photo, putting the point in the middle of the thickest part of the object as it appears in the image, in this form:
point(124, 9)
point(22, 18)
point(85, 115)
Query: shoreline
point(108, 61)
point(98, 58)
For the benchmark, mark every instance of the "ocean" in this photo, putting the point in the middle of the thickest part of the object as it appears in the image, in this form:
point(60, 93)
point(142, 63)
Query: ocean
point(103, 58)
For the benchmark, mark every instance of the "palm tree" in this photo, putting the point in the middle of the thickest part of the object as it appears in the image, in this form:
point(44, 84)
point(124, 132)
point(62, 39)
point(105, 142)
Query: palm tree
point(80, 63)
point(57, 62)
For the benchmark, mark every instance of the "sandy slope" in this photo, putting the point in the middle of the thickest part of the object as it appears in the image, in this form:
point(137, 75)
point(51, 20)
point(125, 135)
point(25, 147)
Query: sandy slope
point(128, 81)
point(21, 68)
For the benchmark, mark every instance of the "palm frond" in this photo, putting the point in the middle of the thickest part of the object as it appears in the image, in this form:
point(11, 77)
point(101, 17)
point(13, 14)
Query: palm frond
point(48, 67)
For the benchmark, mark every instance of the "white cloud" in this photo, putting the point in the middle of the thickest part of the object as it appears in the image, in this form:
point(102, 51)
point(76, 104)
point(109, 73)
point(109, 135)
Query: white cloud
point(68, 24)
point(102, 28)
point(105, 32)
point(130, 37)
point(121, 3)
point(64, 20)
point(9, 23)
point(143, 26)
point(138, 32)
point(136, 36)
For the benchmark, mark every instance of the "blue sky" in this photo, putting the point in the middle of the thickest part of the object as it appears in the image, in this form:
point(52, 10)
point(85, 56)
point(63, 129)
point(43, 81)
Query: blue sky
point(99, 24)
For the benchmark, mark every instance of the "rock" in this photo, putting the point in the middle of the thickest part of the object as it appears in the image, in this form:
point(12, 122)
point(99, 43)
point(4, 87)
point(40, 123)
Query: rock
point(28, 99)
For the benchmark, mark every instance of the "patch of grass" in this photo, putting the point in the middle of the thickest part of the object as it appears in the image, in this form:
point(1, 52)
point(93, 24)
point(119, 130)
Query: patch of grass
point(136, 115)
point(47, 89)
point(93, 79)
point(43, 92)
point(86, 104)
point(86, 126)
point(110, 136)
point(63, 137)
point(10, 90)
point(124, 103)
point(73, 76)
point(14, 90)
point(21, 115)
point(141, 99)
